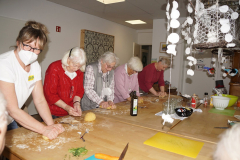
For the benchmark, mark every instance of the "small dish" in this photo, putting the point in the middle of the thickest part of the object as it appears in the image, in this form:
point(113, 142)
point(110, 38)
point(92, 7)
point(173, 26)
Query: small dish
point(184, 112)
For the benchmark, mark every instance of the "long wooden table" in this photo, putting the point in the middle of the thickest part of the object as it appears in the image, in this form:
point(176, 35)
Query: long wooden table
point(113, 129)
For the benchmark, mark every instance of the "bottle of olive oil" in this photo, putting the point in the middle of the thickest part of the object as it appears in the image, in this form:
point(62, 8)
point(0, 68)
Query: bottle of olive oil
point(134, 104)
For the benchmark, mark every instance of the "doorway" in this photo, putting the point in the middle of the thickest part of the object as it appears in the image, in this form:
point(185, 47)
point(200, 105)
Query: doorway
point(146, 52)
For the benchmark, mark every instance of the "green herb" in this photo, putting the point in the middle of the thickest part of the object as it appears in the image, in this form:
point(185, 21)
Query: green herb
point(78, 151)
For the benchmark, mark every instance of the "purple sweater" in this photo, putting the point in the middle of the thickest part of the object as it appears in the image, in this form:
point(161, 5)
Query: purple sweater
point(124, 84)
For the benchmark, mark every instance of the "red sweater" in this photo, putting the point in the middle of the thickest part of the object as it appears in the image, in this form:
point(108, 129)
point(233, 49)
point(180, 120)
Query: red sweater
point(149, 76)
point(57, 85)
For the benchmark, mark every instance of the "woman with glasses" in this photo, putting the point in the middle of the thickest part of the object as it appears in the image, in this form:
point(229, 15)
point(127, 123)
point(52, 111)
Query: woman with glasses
point(20, 76)
point(126, 79)
point(63, 85)
point(99, 83)
point(154, 73)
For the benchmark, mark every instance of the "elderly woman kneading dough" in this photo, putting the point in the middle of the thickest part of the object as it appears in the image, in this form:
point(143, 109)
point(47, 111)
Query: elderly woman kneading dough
point(126, 79)
point(63, 85)
point(99, 83)
point(154, 73)
point(20, 76)
point(3, 122)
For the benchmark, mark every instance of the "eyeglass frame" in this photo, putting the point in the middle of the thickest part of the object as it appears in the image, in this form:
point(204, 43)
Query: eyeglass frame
point(31, 48)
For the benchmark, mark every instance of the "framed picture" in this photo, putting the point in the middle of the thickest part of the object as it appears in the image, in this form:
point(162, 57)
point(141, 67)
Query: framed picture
point(199, 67)
point(163, 47)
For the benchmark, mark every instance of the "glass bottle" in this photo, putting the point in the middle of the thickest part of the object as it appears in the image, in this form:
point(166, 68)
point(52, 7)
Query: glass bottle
point(134, 104)
point(206, 99)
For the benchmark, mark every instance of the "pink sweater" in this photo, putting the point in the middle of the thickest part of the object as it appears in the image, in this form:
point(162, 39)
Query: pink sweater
point(124, 84)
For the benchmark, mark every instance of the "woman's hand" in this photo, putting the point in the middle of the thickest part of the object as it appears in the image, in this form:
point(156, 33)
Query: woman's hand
point(3, 129)
point(104, 104)
point(77, 108)
point(110, 103)
point(52, 131)
point(71, 111)
point(162, 94)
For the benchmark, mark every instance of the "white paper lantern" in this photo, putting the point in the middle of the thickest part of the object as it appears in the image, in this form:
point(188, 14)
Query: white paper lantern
point(213, 59)
point(234, 15)
point(168, 16)
point(189, 40)
point(189, 20)
point(167, 7)
point(190, 58)
point(225, 28)
point(223, 67)
point(190, 63)
point(189, 8)
point(187, 51)
point(224, 75)
point(224, 21)
point(175, 4)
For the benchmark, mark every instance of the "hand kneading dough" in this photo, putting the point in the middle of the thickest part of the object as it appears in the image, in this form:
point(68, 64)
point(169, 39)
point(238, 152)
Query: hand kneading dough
point(90, 116)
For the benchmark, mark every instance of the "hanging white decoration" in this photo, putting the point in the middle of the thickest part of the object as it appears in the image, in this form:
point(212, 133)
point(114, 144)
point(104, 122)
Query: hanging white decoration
point(224, 74)
point(174, 23)
point(168, 16)
point(189, 8)
point(228, 37)
point(223, 67)
point(190, 72)
point(175, 4)
point(195, 61)
point(168, 26)
point(175, 14)
point(231, 45)
point(213, 59)
point(189, 40)
point(167, 7)
point(167, 118)
point(225, 28)
point(190, 63)
point(187, 51)
point(214, 65)
point(234, 15)
point(189, 20)
point(224, 21)
point(173, 38)
point(223, 9)
point(190, 58)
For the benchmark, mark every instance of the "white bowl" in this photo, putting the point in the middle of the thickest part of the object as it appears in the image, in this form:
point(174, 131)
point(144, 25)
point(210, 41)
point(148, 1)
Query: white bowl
point(220, 102)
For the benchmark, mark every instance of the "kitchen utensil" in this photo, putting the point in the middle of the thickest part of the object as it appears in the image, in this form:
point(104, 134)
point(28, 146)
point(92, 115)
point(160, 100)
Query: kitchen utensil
point(222, 127)
point(220, 102)
point(123, 153)
point(68, 124)
point(184, 112)
point(87, 131)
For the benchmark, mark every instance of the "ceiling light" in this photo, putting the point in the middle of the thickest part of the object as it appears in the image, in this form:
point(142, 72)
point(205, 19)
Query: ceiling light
point(136, 22)
point(110, 1)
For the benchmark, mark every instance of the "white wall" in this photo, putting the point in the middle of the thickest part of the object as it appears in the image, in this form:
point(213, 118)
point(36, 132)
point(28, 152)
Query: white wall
point(71, 22)
point(160, 35)
point(145, 36)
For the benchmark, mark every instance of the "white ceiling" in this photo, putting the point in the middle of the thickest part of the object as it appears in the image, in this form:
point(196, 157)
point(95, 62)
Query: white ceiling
point(145, 10)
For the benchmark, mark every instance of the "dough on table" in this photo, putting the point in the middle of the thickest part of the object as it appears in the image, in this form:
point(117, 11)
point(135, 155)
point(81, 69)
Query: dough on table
point(140, 100)
point(90, 116)
point(162, 96)
point(110, 107)
point(45, 138)
point(74, 121)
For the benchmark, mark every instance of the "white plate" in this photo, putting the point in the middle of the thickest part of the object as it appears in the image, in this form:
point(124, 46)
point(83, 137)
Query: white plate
point(175, 14)
point(225, 28)
point(173, 38)
point(224, 8)
point(228, 37)
point(234, 15)
point(174, 23)
point(187, 51)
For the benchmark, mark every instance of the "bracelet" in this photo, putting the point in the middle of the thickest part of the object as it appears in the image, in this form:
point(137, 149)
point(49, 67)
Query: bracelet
point(76, 102)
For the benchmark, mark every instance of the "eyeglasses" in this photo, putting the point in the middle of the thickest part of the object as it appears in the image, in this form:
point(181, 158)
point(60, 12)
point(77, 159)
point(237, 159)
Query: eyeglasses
point(29, 48)
point(109, 66)
point(70, 52)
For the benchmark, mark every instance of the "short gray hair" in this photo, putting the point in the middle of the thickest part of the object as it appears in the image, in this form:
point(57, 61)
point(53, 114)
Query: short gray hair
point(165, 60)
point(135, 64)
point(77, 56)
point(109, 57)
point(229, 144)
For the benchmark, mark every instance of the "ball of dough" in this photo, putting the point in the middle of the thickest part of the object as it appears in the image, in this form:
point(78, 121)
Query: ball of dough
point(140, 100)
point(45, 138)
point(90, 116)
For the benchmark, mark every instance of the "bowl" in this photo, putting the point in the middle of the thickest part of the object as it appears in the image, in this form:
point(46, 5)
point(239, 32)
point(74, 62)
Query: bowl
point(220, 102)
point(233, 99)
point(184, 112)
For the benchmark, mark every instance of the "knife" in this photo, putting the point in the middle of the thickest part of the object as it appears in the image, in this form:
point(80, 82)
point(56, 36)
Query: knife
point(123, 153)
